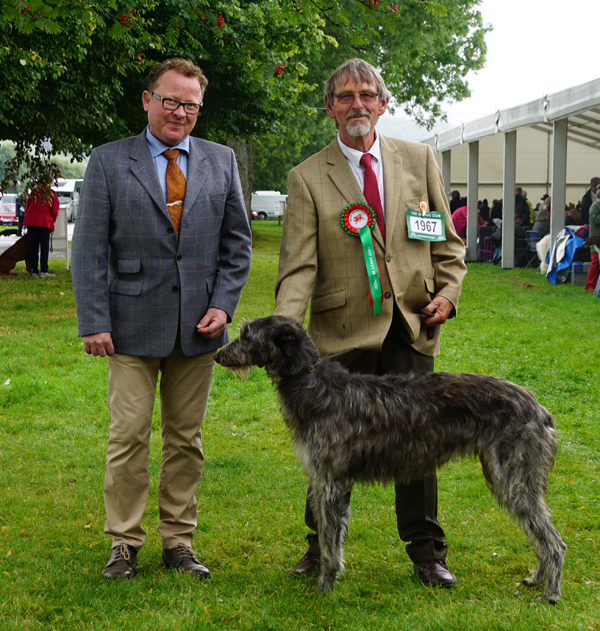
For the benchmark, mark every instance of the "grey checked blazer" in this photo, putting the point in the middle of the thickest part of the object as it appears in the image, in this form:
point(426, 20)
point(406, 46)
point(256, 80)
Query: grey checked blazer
point(130, 275)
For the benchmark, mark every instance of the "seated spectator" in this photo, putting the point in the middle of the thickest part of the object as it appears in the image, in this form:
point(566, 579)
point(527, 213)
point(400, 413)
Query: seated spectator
point(455, 201)
point(459, 219)
point(572, 218)
point(496, 212)
point(542, 223)
point(484, 209)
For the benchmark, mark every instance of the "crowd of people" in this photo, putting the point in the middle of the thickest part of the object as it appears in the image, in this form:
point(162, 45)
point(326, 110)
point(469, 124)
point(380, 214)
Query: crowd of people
point(529, 219)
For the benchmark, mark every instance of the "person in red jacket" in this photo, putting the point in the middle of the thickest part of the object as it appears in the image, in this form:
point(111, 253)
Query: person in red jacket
point(40, 214)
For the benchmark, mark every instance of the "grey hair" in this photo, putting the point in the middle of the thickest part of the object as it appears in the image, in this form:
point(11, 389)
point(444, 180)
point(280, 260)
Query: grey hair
point(360, 71)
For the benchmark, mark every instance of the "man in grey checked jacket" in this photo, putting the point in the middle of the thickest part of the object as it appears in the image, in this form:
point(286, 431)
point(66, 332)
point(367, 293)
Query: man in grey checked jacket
point(154, 293)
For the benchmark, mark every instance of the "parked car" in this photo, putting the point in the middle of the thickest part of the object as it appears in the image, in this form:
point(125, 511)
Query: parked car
point(8, 210)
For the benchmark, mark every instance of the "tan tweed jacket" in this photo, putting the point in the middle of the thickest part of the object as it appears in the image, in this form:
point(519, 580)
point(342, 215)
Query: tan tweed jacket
point(321, 262)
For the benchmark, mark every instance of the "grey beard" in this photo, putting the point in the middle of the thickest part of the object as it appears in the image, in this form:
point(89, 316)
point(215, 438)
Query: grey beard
point(358, 130)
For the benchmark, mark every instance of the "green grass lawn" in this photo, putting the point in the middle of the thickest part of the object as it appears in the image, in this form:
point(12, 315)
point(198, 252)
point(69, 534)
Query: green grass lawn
point(53, 432)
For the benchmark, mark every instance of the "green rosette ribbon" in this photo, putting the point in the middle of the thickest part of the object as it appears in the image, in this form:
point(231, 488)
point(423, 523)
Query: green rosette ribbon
point(358, 219)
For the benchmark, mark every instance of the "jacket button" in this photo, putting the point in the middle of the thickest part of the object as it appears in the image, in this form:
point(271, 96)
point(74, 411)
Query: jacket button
point(175, 289)
point(179, 257)
point(170, 230)
point(388, 258)
point(387, 294)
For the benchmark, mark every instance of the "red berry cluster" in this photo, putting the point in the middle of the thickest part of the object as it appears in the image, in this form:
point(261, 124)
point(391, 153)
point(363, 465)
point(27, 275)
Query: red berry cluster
point(279, 68)
point(220, 20)
point(127, 17)
point(25, 9)
point(394, 7)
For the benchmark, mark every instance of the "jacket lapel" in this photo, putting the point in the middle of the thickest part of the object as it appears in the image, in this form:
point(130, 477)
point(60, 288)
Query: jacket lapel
point(196, 175)
point(341, 175)
point(142, 166)
point(392, 173)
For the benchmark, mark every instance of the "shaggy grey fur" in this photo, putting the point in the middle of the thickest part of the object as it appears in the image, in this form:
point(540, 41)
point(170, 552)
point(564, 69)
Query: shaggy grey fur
point(400, 428)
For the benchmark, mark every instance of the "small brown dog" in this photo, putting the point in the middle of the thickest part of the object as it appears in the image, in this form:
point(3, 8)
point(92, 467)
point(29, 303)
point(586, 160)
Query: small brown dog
point(17, 252)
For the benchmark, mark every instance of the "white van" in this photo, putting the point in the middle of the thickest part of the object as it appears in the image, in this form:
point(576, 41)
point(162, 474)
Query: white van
point(68, 196)
point(268, 204)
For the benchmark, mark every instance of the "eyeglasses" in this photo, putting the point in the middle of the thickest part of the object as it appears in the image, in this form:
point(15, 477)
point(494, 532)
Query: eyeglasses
point(348, 97)
point(174, 104)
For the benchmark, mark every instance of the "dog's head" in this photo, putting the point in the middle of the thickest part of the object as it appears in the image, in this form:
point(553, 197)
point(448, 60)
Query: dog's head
point(277, 343)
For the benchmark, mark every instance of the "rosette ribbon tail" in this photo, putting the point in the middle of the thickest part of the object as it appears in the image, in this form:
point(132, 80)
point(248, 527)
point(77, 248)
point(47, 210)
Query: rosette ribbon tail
point(372, 268)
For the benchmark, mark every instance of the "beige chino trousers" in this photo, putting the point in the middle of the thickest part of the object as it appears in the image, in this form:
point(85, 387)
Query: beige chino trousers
point(184, 388)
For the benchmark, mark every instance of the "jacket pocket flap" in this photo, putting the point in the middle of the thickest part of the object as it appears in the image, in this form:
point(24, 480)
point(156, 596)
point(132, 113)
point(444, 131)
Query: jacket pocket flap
point(331, 301)
point(126, 287)
point(129, 266)
point(430, 285)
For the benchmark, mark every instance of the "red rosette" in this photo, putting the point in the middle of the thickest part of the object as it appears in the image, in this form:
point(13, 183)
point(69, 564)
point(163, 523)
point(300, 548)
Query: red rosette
point(356, 216)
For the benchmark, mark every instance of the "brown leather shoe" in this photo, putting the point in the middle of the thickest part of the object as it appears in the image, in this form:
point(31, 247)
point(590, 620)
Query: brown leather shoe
point(184, 560)
point(308, 565)
point(123, 559)
point(435, 572)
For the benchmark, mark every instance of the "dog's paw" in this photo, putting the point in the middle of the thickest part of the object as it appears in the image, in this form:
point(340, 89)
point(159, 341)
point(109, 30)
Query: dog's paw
point(541, 599)
point(528, 581)
point(323, 587)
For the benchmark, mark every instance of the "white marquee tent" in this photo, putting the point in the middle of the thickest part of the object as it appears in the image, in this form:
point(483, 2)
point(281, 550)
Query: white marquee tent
point(570, 116)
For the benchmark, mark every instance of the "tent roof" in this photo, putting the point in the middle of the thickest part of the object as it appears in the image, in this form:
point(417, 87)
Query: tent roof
point(580, 105)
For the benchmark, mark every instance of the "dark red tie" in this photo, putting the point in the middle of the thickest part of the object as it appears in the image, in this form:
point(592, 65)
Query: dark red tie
point(371, 192)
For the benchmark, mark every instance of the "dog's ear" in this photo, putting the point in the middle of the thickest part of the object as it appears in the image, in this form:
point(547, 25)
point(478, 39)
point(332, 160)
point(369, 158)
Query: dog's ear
point(285, 340)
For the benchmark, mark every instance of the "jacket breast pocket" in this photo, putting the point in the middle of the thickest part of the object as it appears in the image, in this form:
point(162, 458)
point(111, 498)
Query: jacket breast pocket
point(126, 287)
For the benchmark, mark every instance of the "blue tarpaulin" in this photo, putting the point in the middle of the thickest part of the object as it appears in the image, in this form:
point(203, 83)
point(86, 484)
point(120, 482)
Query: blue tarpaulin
point(560, 257)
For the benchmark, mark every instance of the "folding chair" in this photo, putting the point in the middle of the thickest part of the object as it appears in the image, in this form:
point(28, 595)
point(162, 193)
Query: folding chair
point(487, 251)
point(532, 239)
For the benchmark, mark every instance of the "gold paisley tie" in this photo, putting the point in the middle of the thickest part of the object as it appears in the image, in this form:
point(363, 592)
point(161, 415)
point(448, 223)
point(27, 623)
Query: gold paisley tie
point(175, 188)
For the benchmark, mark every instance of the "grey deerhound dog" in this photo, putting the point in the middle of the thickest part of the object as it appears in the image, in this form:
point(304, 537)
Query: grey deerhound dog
point(400, 428)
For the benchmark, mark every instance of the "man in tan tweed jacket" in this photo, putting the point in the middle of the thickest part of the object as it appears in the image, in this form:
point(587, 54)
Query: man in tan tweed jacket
point(420, 279)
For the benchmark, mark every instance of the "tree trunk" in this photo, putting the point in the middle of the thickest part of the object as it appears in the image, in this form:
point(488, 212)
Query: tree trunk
point(243, 154)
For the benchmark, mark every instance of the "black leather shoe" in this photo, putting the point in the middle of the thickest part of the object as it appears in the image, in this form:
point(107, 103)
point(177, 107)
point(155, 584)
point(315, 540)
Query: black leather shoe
point(308, 565)
point(122, 562)
point(435, 572)
point(184, 560)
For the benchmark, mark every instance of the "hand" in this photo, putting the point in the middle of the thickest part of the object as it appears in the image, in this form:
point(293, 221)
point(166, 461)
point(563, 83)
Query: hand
point(98, 344)
point(213, 323)
point(443, 309)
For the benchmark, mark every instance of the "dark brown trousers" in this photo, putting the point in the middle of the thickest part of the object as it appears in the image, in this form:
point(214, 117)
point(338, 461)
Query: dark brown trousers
point(416, 503)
